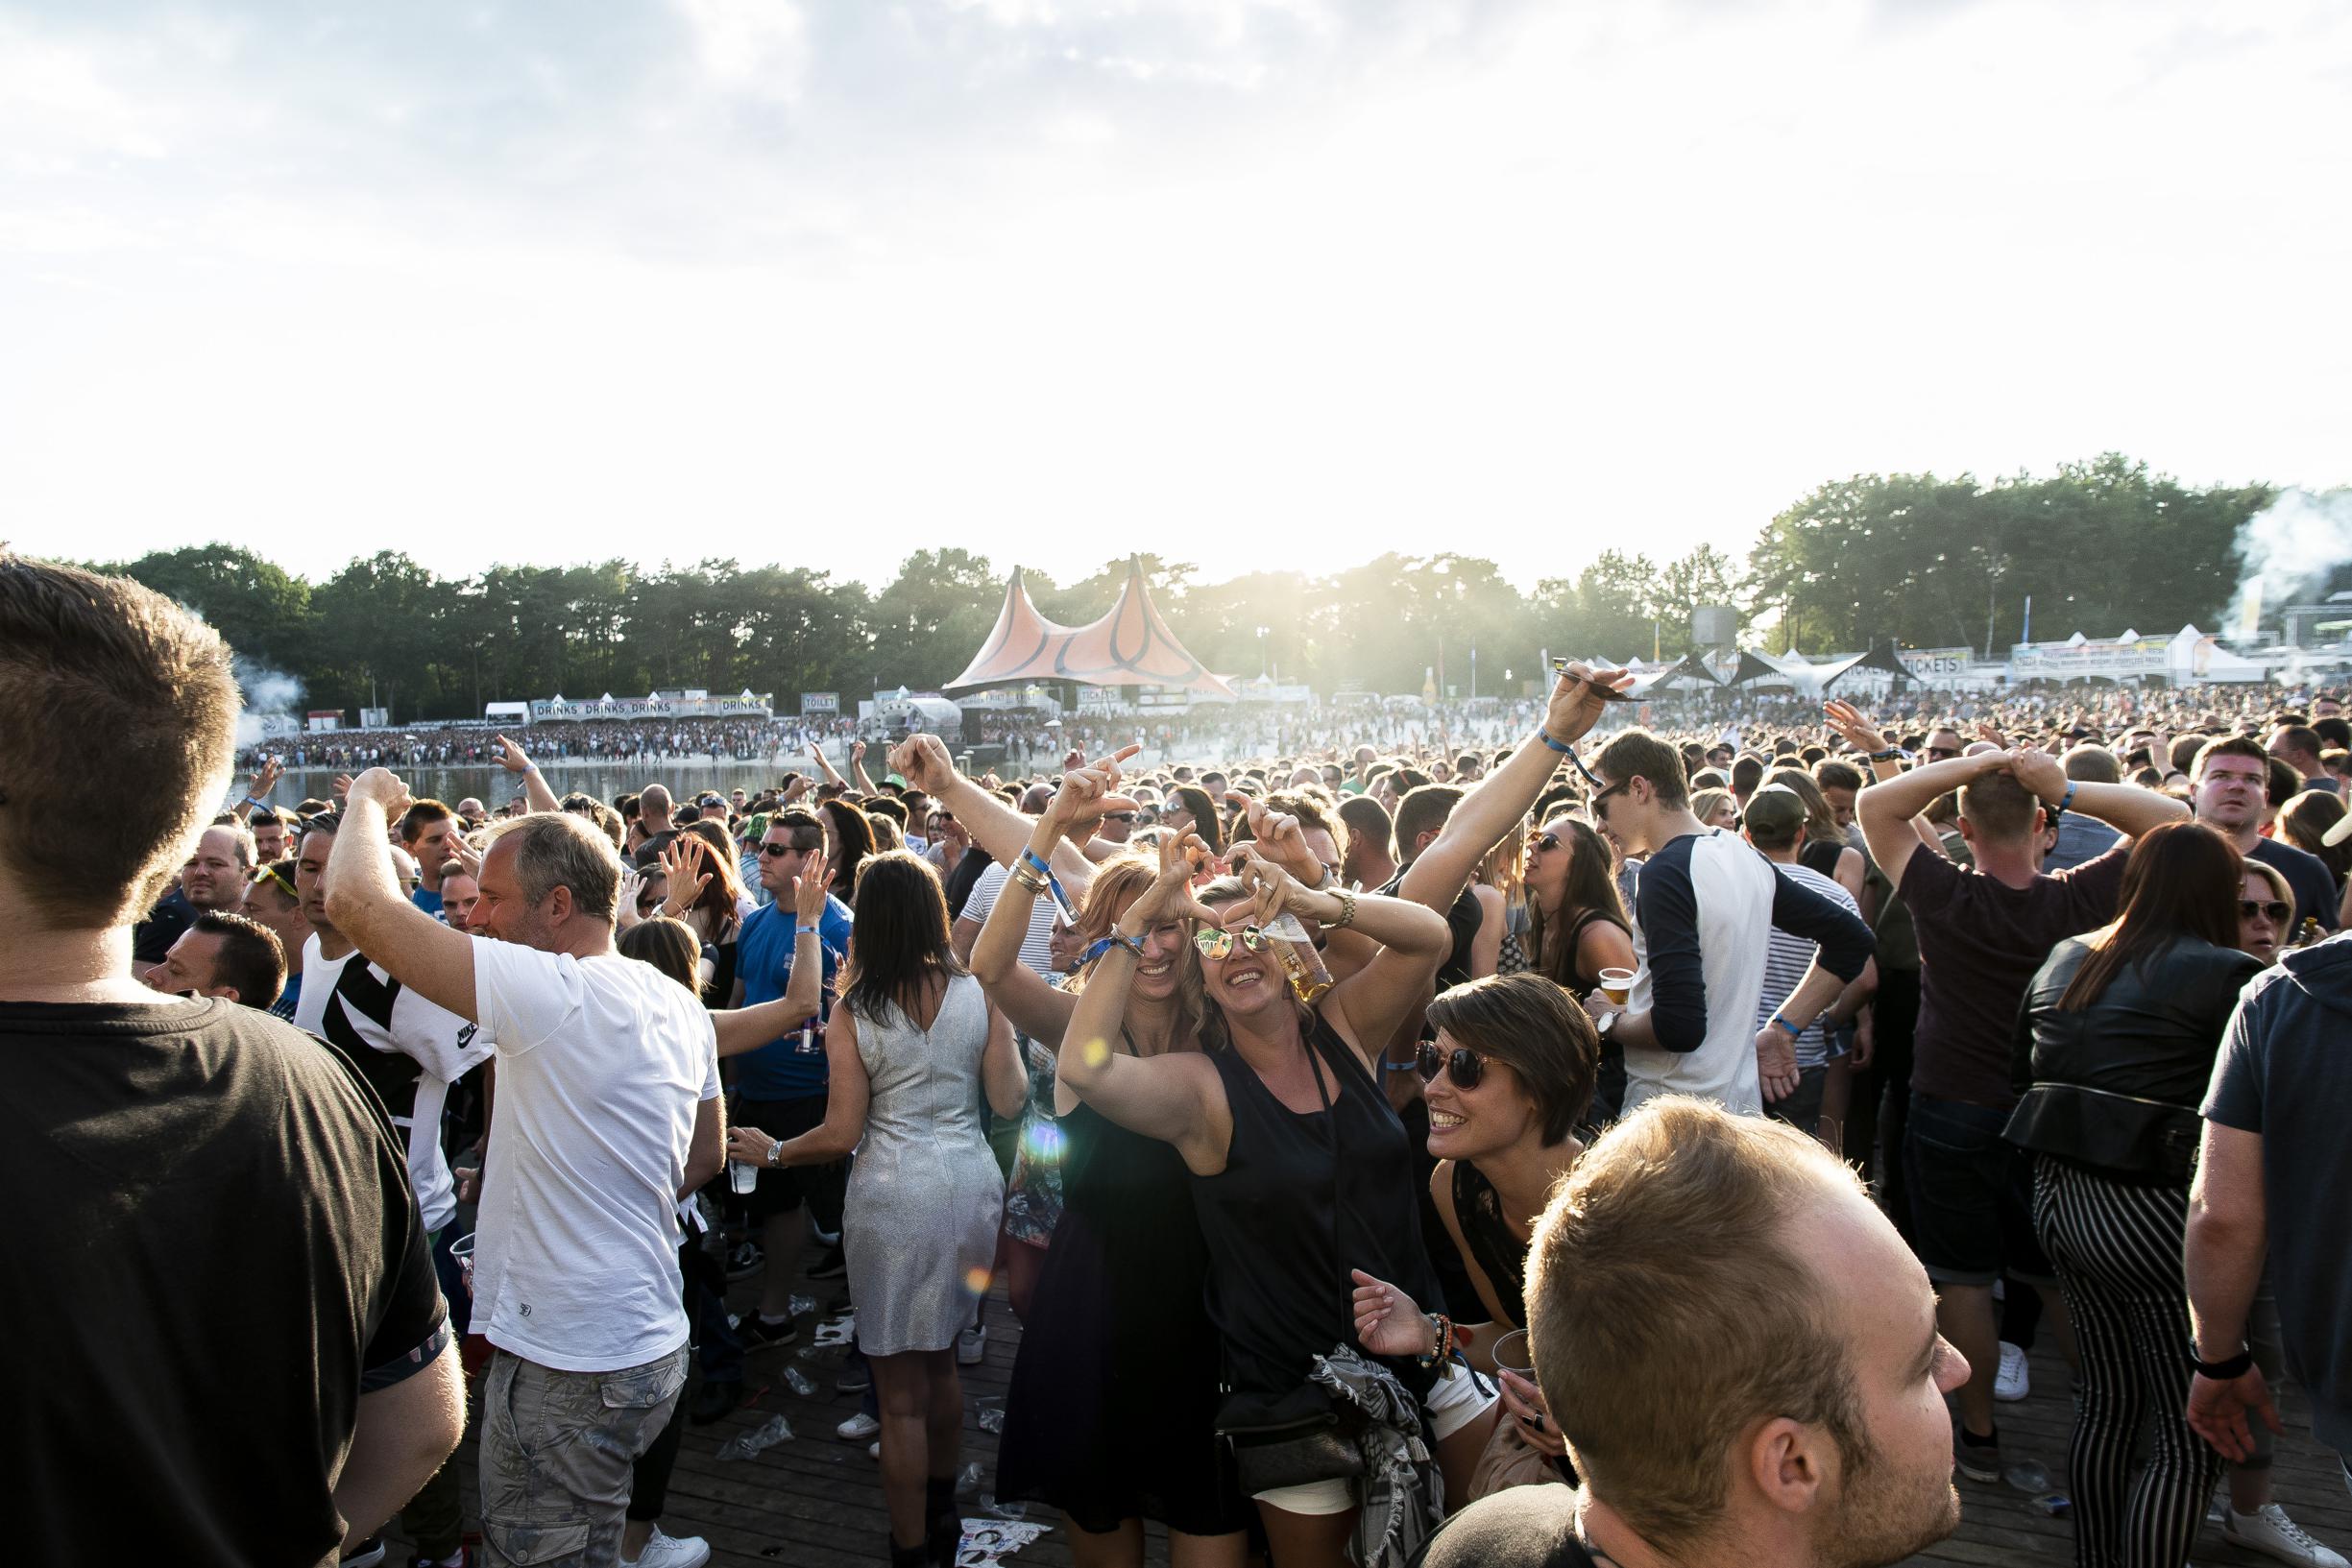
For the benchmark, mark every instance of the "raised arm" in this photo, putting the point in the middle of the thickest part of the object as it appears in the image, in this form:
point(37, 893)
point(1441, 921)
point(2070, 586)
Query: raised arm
point(748, 1028)
point(856, 769)
point(922, 759)
point(1037, 1009)
point(365, 902)
point(1171, 1097)
point(2128, 808)
point(1367, 1007)
point(1880, 754)
point(1480, 818)
point(265, 780)
point(1885, 809)
point(514, 760)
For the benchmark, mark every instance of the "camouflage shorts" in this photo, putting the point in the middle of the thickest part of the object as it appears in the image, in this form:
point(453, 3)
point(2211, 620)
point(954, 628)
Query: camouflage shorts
point(557, 1450)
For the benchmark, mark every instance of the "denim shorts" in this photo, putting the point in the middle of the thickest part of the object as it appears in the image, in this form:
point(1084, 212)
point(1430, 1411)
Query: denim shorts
point(1971, 1196)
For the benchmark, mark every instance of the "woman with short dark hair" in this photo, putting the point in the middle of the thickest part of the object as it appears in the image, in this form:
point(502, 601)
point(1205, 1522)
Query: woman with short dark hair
point(1508, 1079)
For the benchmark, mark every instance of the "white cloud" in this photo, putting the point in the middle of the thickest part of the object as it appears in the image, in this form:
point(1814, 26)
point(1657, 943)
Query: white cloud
point(758, 46)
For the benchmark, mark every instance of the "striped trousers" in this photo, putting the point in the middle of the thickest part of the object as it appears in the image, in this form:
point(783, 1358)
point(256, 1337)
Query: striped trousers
point(2117, 1247)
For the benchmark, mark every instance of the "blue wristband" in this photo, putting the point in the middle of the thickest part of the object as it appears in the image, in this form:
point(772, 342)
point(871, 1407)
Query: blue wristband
point(1792, 1030)
point(2065, 802)
point(1028, 859)
point(804, 930)
point(1545, 735)
point(1103, 945)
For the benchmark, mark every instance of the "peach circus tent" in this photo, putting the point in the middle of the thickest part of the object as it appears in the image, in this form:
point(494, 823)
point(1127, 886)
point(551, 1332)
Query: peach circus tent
point(1128, 646)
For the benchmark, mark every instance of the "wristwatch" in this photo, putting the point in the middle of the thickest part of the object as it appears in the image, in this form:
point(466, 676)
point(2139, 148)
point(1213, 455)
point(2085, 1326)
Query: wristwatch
point(1607, 1021)
point(2221, 1371)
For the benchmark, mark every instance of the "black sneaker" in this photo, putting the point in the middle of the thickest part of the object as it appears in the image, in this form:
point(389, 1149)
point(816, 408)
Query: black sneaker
point(744, 1260)
point(758, 1334)
point(831, 1264)
point(856, 1377)
point(716, 1400)
point(366, 1555)
point(1978, 1461)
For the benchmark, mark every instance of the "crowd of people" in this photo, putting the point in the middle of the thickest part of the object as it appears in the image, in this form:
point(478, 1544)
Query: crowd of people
point(1600, 1144)
point(593, 740)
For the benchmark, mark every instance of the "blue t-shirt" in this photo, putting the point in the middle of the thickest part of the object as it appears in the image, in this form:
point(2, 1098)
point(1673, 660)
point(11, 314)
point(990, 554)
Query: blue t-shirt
point(781, 1069)
point(426, 900)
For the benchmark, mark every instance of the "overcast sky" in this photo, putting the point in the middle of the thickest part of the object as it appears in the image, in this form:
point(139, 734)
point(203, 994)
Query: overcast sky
point(1256, 283)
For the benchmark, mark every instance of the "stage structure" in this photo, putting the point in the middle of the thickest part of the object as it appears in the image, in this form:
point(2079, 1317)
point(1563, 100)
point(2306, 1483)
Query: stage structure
point(1129, 647)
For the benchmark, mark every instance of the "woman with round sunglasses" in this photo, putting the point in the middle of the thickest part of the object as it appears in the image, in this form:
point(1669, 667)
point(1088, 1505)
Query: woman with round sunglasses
point(1508, 1079)
point(1300, 1168)
point(2114, 1050)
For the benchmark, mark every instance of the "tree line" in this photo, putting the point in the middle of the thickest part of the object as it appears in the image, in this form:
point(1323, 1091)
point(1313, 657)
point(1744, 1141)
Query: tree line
point(1912, 557)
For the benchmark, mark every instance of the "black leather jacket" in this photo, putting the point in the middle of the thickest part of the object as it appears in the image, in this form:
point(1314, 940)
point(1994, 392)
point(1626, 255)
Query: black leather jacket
point(2116, 1086)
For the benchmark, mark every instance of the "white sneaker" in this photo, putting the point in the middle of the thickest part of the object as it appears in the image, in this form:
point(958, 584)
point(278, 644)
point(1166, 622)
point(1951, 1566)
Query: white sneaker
point(2012, 1382)
point(873, 1451)
point(971, 1345)
point(670, 1552)
point(858, 1428)
point(2269, 1530)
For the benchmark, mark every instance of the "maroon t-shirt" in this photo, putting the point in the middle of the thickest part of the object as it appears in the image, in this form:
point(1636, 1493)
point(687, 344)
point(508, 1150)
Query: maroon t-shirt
point(1979, 942)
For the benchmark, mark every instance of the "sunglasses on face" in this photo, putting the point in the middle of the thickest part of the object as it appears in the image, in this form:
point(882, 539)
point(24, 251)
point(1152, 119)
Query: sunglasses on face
point(1217, 944)
point(1463, 1065)
point(2248, 909)
point(1546, 842)
point(1940, 753)
point(1607, 790)
point(1118, 816)
point(778, 851)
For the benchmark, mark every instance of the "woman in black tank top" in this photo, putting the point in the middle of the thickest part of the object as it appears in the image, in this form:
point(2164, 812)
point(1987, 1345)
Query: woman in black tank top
point(1301, 1171)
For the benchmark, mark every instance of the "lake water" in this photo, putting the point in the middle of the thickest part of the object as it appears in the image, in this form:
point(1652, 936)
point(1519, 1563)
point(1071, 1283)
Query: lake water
point(495, 786)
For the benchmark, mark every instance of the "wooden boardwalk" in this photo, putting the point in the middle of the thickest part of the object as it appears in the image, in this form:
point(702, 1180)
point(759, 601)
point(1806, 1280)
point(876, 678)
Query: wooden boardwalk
point(817, 1500)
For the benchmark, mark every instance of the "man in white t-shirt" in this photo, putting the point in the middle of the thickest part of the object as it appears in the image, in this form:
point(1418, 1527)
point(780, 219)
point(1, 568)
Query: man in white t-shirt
point(607, 1114)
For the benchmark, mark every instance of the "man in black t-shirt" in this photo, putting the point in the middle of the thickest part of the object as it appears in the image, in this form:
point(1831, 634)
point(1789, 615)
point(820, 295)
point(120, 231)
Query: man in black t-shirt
point(1743, 1357)
point(216, 1233)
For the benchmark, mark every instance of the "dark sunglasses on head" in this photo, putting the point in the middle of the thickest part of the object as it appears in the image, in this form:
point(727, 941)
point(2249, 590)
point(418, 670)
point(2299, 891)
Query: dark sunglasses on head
point(2248, 909)
point(1465, 1066)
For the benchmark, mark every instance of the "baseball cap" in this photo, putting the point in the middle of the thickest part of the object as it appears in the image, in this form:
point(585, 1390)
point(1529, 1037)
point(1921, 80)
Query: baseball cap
point(1775, 811)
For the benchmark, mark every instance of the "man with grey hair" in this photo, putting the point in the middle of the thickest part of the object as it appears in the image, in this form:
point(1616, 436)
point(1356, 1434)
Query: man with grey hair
point(607, 1116)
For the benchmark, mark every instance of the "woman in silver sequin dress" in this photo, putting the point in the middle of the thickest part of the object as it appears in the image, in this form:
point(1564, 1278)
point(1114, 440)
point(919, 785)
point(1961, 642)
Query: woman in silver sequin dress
point(911, 1048)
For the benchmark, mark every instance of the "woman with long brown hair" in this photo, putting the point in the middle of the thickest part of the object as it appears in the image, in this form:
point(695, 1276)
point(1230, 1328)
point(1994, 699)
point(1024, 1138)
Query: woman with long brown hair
point(2115, 1045)
point(849, 843)
point(909, 1050)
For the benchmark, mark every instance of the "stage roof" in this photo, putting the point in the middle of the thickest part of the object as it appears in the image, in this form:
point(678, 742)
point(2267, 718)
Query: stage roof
point(1128, 646)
